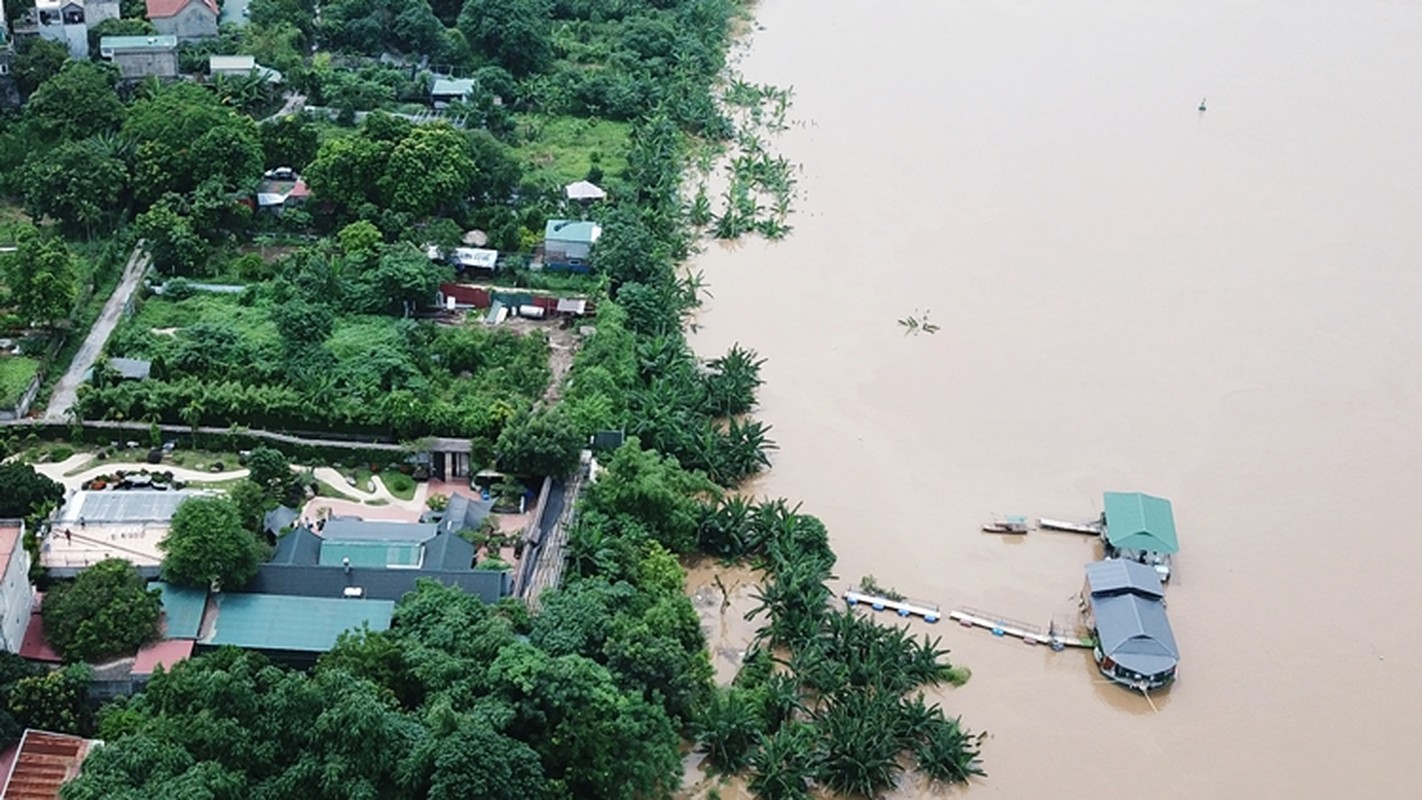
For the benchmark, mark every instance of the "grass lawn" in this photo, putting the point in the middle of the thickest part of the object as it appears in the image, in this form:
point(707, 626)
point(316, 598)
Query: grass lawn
point(324, 489)
point(16, 372)
point(399, 484)
point(562, 147)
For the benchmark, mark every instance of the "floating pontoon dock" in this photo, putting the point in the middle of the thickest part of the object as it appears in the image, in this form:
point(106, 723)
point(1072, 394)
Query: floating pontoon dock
point(1031, 634)
point(1089, 528)
point(905, 607)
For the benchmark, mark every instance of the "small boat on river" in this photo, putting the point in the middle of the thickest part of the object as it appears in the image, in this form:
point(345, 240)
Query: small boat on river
point(1015, 524)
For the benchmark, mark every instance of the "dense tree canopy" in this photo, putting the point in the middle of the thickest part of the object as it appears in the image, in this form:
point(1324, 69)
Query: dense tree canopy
point(208, 546)
point(107, 610)
point(81, 184)
point(77, 102)
point(540, 443)
point(23, 491)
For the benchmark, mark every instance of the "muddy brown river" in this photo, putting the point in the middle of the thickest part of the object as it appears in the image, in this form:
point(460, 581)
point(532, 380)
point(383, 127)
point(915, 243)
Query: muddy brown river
point(1221, 308)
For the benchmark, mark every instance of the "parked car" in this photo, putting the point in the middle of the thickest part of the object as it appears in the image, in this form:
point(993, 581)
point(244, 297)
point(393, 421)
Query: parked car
point(280, 174)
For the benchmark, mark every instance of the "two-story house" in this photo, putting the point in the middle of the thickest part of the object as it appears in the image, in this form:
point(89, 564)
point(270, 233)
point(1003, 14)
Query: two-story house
point(185, 19)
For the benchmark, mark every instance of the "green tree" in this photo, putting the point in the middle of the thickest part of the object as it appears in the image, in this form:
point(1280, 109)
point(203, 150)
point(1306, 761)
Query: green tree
point(360, 239)
point(654, 492)
point(289, 142)
point(474, 760)
point(207, 545)
point(516, 34)
point(728, 728)
point(430, 170)
point(40, 274)
point(106, 610)
point(543, 442)
point(56, 701)
point(169, 236)
point(23, 491)
point(36, 61)
point(402, 279)
point(184, 135)
point(270, 469)
point(80, 184)
point(252, 504)
point(76, 103)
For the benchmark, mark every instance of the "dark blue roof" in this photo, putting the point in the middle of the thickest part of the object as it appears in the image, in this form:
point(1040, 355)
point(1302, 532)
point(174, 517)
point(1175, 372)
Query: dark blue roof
point(378, 583)
point(300, 547)
point(448, 551)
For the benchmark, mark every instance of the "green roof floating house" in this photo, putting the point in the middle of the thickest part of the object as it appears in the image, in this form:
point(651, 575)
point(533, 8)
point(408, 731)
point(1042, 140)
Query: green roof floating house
point(1141, 528)
point(567, 244)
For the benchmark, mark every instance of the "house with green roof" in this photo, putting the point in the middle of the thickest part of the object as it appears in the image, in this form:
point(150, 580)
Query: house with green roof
point(1141, 528)
point(291, 629)
point(139, 57)
point(568, 244)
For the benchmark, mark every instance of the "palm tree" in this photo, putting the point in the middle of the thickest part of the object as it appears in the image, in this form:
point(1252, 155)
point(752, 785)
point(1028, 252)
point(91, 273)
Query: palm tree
point(727, 729)
point(861, 754)
point(784, 765)
point(731, 382)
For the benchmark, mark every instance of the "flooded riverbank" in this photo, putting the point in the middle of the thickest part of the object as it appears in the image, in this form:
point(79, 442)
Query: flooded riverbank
point(1217, 308)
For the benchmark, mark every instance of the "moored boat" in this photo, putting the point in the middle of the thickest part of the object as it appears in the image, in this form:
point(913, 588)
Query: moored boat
point(1013, 524)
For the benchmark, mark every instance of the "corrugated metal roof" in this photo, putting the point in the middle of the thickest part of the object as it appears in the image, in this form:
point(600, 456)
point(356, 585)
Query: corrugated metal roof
point(372, 554)
point(164, 653)
point(1117, 575)
point(357, 530)
point(239, 63)
point(452, 86)
point(137, 43)
point(568, 230)
point(1135, 633)
point(133, 505)
point(298, 624)
point(132, 368)
point(183, 607)
point(376, 582)
point(44, 763)
point(1136, 521)
point(299, 547)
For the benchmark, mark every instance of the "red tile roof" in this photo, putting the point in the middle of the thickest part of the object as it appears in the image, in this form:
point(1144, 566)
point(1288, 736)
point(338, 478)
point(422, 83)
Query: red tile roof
point(44, 762)
point(167, 8)
point(167, 652)
point(35, 646)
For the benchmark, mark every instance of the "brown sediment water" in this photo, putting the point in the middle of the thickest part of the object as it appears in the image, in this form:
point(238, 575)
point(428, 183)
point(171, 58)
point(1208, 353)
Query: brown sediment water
point(1220, 308)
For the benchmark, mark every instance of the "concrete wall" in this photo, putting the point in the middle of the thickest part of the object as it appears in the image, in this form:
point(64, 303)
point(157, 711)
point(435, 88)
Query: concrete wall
point(17, 597)
point(141, 64)
point(195, 21)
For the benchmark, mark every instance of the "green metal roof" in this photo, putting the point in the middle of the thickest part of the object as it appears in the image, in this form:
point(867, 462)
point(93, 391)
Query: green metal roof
point(372, 554)
point(564, 230)
point(138, 42)
point(301, 624)
point(1136, 521)
point(182, 609)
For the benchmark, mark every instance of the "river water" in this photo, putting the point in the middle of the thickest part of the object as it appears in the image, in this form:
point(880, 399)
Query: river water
point(1220, 308)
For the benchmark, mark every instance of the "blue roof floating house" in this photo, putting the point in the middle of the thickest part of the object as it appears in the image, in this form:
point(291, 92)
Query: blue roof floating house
point(1135, 646)
point(568, 244)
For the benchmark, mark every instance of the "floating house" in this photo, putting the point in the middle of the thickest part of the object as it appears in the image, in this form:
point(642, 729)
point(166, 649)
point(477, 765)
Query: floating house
point(1140, 528)
point(567, 244)
point(1125, 607)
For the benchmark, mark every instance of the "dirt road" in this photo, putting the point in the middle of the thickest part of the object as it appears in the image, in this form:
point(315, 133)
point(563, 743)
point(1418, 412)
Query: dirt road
point(64, 392)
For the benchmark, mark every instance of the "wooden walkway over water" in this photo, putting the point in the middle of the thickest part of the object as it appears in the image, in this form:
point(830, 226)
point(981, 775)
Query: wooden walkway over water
point(1055, 636)
point(906, 607)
